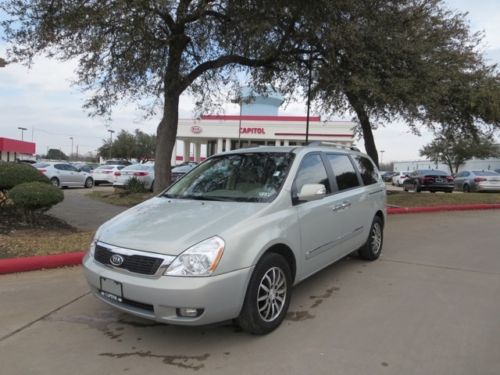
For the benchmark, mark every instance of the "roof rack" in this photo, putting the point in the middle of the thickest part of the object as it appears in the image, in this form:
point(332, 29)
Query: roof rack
point(332, 144)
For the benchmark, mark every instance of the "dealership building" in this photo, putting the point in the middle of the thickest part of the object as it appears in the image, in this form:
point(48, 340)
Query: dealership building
point(12, 150)
point(258, 124)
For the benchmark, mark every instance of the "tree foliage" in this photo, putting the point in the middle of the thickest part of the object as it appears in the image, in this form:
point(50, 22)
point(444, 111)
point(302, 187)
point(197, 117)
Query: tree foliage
point(56, 154)
point(137, 49)
point(454, 149)
point(126, 145)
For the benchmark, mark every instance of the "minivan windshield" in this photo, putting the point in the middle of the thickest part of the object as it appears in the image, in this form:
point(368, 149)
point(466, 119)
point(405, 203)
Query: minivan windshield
point(243, 177)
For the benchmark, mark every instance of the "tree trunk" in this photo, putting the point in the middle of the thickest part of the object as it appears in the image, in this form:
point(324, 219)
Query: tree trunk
point(165, 141)
point(366, 127)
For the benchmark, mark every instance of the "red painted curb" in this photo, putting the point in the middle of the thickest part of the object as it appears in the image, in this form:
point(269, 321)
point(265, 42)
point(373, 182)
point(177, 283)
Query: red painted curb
point(463, 207)
point(38, 262)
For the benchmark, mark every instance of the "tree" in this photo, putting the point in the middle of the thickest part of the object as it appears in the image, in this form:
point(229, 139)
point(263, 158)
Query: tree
point(454, 149)
point(137, 49)
point(56, 154)
point(126, 145)
point(391, 60)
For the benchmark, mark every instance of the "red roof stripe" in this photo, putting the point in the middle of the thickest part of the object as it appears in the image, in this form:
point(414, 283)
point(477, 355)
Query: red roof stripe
point(13, 145)
point(260, 118)
point(315, 135)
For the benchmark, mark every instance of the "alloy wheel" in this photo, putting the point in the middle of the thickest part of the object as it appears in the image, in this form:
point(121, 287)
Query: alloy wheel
point(271, 295)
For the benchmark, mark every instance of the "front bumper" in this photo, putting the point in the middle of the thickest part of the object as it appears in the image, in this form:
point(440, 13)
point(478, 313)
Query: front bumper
point(221, 297)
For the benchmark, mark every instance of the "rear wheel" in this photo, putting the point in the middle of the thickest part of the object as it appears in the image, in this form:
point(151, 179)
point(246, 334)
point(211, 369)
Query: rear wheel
point(372, 249)
point(268, 295)
point(466, 188)
point(55, 181)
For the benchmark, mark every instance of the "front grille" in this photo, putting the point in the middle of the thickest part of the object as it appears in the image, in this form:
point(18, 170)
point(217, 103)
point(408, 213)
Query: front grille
point(139, 305)
point(144, 265)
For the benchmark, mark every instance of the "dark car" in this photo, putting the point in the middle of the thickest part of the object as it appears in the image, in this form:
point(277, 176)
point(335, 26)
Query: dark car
point(118, 162)
point(387, 176)
point(429, 179)
point(181, 170)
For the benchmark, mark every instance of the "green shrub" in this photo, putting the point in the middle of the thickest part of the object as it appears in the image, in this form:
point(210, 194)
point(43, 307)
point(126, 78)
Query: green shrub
point(135, 186)
point(12, 174)
point(35, 196)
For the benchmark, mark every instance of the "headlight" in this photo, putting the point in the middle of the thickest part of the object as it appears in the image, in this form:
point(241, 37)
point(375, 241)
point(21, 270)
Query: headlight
point(199, 260)
point(92, 247)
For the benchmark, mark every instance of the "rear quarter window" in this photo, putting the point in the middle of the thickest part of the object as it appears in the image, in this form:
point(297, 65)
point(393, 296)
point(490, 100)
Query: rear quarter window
point(367, 170)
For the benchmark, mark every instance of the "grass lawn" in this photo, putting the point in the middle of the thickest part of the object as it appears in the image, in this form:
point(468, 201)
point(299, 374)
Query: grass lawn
point(404, 199)
point(29, 242)
point(120, 198)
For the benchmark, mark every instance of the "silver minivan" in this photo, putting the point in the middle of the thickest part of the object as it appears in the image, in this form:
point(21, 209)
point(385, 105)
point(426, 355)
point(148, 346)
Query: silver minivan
point(230, 238)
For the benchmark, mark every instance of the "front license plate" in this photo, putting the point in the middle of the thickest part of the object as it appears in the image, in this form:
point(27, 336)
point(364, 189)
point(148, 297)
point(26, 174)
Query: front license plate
point(111, 289)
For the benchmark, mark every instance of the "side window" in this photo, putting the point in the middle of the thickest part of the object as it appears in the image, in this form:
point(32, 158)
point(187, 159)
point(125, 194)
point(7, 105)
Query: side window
point(367, 170)
point(71, 168)
point(61, 167)
point(466, 174)
point(344, 171)
point(461, 174)
point(312, 171)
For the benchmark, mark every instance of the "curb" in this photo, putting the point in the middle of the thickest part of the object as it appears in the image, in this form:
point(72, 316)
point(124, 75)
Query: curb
point(23, 264)
point(463, 207)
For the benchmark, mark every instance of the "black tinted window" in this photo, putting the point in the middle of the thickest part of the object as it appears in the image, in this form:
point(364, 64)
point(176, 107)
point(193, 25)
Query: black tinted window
point(366, 169)
point(312, 171)
point(61, 167)
point(344, 171)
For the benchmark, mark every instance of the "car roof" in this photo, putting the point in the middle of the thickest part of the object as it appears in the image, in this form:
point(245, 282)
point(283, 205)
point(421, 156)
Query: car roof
point(295, 149)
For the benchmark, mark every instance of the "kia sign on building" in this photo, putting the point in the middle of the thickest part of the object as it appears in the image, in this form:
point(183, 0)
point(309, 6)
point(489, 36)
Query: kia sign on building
point(258, 125)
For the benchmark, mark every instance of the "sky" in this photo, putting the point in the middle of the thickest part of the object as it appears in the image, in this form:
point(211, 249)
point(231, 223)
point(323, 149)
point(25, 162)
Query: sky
point(43, 100)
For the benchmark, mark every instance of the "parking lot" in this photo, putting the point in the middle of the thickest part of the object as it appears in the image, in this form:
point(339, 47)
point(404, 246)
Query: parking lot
point(429, 306)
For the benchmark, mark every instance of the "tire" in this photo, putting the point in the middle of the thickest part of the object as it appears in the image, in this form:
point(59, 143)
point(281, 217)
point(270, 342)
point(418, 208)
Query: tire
point(449, 191)
point(432, 191)
point(89, 183)
point(152, 186)
point(405, 188)
point(55, 181)
point(274, 271)
point(466, 188)
point(96, 183)
point(372, 249)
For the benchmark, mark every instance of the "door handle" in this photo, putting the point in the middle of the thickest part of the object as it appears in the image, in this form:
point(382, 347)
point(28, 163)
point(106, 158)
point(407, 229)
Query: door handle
point(341, 206)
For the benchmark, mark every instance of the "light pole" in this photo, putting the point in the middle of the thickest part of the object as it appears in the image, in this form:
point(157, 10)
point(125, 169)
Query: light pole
point(22, 132)
point(71, 155)
point(111, 131)
point(381, 155)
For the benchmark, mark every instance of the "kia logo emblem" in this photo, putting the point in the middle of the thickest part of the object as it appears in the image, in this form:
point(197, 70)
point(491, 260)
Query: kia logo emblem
point(116, 260)
point(196, 129)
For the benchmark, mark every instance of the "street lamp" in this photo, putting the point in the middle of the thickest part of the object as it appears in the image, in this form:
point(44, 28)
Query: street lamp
point(22, 132)
point(71, 155)
point(111, 131)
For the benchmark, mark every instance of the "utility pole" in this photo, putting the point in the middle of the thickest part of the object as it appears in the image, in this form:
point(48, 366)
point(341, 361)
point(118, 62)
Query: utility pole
point(22, 132)
point(381, 155)
point(111, 131)
point(71, 155)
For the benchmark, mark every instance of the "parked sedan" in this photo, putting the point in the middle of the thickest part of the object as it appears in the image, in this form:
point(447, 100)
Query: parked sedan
point(106, 174)
point(142, 172)
point(399, 178)
point(387, 176)
point(429, 179)
point(62, 174)
point(468, 181)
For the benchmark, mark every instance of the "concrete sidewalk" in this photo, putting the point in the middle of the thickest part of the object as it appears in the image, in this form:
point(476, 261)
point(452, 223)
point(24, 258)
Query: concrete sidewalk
point(429, 306)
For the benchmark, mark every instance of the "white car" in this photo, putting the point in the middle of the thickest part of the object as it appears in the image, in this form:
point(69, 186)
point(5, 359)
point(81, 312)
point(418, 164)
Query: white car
point(399, 178)
point(145, 173)
point(106, 174)
point(62, 174)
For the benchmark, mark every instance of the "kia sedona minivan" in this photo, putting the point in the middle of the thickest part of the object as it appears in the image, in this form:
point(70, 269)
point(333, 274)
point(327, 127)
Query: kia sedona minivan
point(231, 238)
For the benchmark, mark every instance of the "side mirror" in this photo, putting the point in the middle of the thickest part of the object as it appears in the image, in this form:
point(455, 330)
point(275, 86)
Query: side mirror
point(311, 192)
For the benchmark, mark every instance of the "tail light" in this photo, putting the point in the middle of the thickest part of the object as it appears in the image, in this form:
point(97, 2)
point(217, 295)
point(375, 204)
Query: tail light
point(141, 173)
point(42, 170)
point(479, 179)
point(450, 178)
point(117, 173)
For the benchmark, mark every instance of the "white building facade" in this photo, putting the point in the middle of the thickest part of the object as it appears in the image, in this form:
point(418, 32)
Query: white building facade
point(258, 124)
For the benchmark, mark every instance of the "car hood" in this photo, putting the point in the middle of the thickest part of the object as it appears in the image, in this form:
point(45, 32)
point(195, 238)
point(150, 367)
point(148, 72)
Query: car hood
point(170, 226)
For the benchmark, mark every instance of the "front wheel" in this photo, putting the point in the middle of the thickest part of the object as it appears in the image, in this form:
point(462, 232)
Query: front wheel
point(372, 249)
point(89, 183)
point(55, 181)
point(268, 295)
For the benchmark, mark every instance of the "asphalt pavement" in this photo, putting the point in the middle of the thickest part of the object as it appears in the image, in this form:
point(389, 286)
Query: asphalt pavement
point(430, 305)
point(82, 212)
